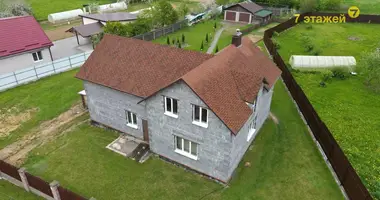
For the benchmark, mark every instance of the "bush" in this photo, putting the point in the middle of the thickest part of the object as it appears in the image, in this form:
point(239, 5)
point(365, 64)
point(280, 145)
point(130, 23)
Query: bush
point(339, 72)
point(276, 44)
point(369, 64)
point(329, 4)
point(216, 49)
point(276, 34)
point(183, 38)
point(308, 5)
point(308, 45)
point(317, 52)
point(168, 40)
point(326, 75)
point(206, 37)
point(202, 45)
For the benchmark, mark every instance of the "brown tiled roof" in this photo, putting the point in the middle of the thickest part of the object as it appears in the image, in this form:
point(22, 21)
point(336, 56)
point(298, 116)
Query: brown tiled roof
point(137, 67)
point(251, 7)
point(225, 82)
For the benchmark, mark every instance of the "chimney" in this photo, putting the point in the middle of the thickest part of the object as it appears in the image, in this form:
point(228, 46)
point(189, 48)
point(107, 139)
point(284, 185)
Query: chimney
point(236, 39)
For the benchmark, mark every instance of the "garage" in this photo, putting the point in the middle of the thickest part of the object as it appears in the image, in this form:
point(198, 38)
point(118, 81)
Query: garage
point(244, 17)
point(231, 16)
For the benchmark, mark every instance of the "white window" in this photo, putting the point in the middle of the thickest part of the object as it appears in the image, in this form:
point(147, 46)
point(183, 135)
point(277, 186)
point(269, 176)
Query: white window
point(171, 107)
point(200, 116)
point(131, 119)
point(252, 129)
point(186, 147)
point(37, 56)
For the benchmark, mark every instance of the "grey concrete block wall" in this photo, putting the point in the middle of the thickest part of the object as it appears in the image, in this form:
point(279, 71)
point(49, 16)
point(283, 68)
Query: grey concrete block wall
point(108, 106)
point(22, 61)
point(215, 141)
point(219, 151)
point(240, 143)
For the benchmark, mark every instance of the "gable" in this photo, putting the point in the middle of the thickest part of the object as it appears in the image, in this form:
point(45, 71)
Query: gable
point(238, 8)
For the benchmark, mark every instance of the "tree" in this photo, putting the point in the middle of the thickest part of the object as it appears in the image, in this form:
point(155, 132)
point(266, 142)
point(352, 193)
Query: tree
point(308, 5)
point(202, 46)
point(161, 13)
point(178, 41)
point(370, 63)
point(179, 45)
point(183, 38)
point(216, 49)
point(183, 9)
point(206, 37)
point(329, 4)
point(9, 9)
point(168, 40)
point(215, 25)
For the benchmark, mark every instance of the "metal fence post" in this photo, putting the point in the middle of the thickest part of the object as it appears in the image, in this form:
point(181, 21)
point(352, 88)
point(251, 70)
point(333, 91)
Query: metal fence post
point(70, 61)
point(14, 74)
point(54, 189)
point(34, 67)
point(53, 67)
point(24, 180)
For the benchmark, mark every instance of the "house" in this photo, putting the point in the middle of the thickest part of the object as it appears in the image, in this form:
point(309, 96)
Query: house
point(22, 43)
point(247, 12)
point(93, 23)
point(199, 110)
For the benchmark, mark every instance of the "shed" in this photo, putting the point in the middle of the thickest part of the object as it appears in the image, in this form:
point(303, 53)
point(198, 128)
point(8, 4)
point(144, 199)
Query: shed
point(247, 12)
point(313, 62)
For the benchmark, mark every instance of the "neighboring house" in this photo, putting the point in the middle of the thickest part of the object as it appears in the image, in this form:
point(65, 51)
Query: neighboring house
point(199, 110)
point(22, 43)
point(247, 12)
point(93, 23)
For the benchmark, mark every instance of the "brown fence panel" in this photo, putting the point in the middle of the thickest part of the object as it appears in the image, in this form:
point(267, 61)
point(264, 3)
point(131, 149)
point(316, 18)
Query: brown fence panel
point(39, 184)
point(68, 195)
point(10, 170)
point(341, 165)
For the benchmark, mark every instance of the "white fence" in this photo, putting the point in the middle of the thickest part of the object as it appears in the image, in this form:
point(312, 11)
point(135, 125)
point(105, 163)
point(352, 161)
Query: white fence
point(34, 73)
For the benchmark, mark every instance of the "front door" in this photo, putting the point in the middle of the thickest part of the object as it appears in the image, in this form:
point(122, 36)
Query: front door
point(145, 130)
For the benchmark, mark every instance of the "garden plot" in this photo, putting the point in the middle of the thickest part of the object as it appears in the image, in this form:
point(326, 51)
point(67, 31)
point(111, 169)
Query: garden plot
point(345, 104)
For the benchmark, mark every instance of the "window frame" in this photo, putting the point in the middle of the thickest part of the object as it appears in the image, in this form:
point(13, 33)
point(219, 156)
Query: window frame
point(182, 150)
point(252, 128)
point(200, 122)
point(38, 56)
point(129, 117)
point(166, 111)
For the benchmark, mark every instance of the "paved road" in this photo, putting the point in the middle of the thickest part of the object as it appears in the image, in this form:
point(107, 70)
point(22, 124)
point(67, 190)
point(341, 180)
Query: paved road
point(215, 41)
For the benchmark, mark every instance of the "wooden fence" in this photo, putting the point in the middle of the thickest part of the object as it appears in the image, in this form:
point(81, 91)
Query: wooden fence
point(35, 184)
point(149, 36)
point(346, 174)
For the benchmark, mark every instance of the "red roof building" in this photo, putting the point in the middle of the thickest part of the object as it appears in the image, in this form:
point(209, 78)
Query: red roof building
point(21, 34)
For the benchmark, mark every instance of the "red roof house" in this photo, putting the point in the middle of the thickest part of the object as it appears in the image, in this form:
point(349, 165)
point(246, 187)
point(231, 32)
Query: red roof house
point(19, 36)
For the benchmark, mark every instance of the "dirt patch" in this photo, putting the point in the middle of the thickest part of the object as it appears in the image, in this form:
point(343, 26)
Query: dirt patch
point(255, 38)
point(10, 121)
point(59, 32)
point(274, 118)
point(16, 152)
point(353, 38)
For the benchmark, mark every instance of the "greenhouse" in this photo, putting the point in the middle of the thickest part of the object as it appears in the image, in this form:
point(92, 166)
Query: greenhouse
point(315, 62)
point(65, 16)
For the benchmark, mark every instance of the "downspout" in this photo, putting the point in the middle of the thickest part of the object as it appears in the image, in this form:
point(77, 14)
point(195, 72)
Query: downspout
point(51, 56)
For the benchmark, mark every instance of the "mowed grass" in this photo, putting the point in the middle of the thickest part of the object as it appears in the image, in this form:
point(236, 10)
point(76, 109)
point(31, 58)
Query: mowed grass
point(42, 8)
point(8, 191)
point(365, 6)
point(50, 97)
point(285, 165)
point(350, 110)
point(194, 35)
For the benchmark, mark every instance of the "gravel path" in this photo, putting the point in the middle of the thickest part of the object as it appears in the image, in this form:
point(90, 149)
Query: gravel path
point(215, 41)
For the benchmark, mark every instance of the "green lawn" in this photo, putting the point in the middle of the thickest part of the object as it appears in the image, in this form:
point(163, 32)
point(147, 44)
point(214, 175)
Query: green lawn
point(48, 97)
point(194, 35)
point(42, 8)
point(9, 191)
point(365, 6)
point(349, 109)
point(285, 165)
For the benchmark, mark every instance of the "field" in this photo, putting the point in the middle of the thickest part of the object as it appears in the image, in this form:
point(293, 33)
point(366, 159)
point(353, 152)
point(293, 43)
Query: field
point(350, 110)
point(365, 6)
point(194, 35)
point(42, 8)
point(9, 191)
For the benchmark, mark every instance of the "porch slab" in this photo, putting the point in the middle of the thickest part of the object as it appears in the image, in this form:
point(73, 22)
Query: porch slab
point(124, 145)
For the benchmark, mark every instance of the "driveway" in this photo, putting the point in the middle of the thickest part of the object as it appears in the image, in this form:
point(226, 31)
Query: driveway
point(69, 46)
